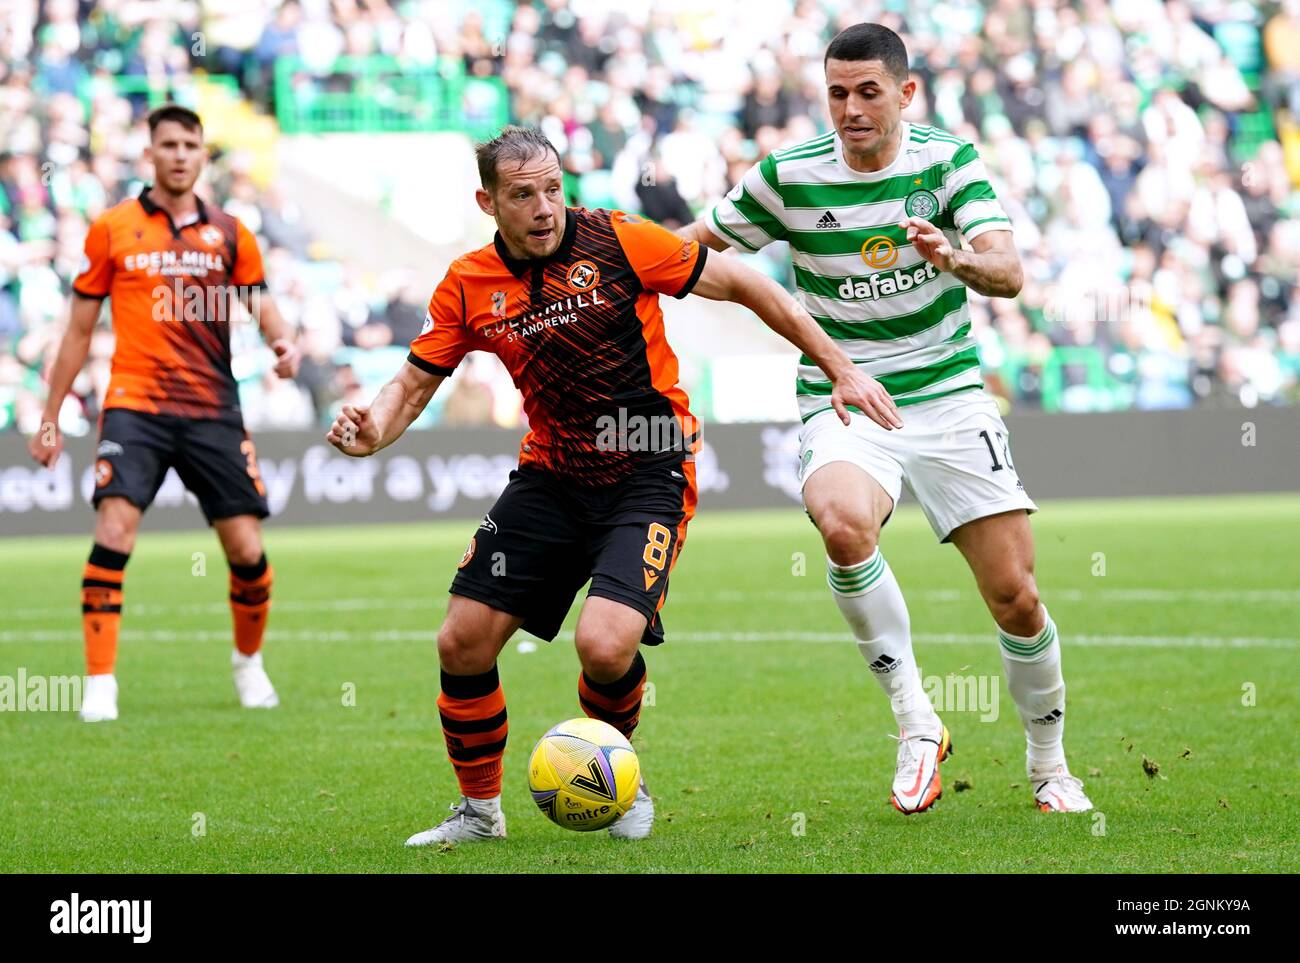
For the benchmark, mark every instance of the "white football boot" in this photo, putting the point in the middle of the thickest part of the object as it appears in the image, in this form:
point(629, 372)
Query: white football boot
point(1056, 791)
point(637, 822)
point(916, 775)
point(99, 700)
point(470, 822)
point(251, 681)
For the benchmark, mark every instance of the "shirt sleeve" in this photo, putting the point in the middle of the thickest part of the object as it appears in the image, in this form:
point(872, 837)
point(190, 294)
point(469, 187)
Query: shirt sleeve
point(752, 215)
point(95, 277)
point(665, 263)
point(444, 339)
point(974, 207)
point(248, 259)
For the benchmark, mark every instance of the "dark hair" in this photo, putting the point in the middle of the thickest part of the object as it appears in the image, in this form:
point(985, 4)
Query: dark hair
point(174, 112)
point(870, 41)
point(517, 144)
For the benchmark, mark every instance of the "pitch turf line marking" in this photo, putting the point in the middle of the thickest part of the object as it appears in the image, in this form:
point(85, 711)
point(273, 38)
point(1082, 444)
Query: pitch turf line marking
point(428, 635)
point(687, 597)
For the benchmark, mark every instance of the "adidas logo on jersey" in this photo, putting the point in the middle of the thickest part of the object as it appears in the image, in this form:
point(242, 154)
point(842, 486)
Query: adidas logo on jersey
point(886, 663)
point(827, 220)
point(1051, 719)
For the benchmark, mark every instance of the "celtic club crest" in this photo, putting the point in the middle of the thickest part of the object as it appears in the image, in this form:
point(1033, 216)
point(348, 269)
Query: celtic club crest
point(921, 204)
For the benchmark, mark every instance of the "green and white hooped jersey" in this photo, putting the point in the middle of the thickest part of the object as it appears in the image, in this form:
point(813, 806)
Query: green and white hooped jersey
point(902, 321)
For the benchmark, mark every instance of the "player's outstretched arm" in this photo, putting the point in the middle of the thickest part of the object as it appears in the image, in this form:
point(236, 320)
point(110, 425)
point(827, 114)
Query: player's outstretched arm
point(275, 331)
point(699, 231)
point(73, 349)
point(362, 430)
point(726, 279)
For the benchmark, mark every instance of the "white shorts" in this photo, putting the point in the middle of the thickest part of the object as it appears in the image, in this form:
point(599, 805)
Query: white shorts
point(953, 453)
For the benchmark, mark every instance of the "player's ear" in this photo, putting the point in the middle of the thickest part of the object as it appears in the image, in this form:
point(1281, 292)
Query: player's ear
point(908, 90)
point(485, 202)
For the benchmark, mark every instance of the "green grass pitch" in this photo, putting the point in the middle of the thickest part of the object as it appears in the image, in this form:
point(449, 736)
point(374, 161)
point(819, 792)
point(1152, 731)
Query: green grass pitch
point(766, 744)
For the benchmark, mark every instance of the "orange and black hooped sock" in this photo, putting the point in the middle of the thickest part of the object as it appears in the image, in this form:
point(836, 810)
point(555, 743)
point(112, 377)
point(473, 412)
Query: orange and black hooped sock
point(473, 711)
point(250, 601)
point(101, 607)
point(617, 702)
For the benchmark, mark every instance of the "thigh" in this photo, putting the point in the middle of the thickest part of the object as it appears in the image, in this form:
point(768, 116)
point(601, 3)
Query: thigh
point(829, 450)
point(607, 623)
point(958, 462)
point(472, 636)
point(636, 542)
point(526, 558)
point(996, 543)
point(218, 463)
point(135, 450)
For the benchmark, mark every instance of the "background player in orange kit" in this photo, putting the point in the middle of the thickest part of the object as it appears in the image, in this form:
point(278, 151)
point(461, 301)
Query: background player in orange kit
point(172, 268)
point(569, 300)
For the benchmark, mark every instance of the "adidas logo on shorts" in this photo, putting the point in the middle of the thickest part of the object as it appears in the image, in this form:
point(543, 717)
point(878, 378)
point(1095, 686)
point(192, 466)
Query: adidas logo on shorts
point(827, 220)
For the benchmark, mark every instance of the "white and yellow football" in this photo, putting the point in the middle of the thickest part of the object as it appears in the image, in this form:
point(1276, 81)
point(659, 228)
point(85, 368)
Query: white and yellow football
point(583, 774)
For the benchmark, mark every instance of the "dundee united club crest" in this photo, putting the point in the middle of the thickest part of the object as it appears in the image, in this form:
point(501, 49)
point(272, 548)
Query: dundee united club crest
point(583, 276)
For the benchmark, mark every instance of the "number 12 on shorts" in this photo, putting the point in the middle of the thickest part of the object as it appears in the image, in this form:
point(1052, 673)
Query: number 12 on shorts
point(1004, 442)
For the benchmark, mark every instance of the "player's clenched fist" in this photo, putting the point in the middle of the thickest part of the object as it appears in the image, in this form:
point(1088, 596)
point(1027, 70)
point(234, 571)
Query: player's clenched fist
point(287, 358)
point(354, 432)
point(46, 444)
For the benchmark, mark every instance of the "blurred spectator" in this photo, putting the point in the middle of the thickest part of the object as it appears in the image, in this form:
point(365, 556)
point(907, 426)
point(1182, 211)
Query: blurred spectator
point(1147, 153)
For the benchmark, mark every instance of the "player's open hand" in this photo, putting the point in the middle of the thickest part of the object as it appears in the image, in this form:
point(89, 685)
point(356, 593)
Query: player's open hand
point(930, 242)
point(46, 445)
point(354, 432)
point(287, 357)
point(867, 395)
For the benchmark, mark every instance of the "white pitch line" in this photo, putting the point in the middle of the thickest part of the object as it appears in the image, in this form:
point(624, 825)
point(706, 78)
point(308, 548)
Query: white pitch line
point(429, 635)
point(688, 597)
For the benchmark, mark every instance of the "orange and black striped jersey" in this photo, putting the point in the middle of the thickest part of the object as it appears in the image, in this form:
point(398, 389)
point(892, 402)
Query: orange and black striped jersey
point(170, 289)
point(582, 334)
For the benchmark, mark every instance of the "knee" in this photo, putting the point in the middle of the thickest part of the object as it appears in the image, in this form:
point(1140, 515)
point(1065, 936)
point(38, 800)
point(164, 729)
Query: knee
point(604, 657)
point(1015, 604)
point(115, 531)
point(849, 538)
point(460, 652)
point(246, 552)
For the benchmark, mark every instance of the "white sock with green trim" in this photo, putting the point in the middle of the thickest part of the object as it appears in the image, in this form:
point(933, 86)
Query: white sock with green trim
point(1033, 668)
point(872, 603)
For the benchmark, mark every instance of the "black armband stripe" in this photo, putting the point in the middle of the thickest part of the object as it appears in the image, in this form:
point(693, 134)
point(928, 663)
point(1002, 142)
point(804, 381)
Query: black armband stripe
point(695, 273)
point(428, 367)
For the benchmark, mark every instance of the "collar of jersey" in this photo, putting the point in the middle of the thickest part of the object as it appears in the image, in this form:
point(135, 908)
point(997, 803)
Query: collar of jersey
point(518, 266)
point(150, 208)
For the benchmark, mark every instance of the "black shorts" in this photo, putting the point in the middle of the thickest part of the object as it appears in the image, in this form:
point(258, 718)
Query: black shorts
point(544, 538)
point(214, 458)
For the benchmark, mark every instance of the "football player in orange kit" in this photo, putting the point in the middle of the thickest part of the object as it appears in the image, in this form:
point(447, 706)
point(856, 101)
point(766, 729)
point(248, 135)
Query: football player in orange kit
point(172, 268)
point(568, 298)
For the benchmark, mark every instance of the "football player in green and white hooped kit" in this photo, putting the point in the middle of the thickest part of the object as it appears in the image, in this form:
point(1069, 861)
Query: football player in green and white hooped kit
point(874, 213)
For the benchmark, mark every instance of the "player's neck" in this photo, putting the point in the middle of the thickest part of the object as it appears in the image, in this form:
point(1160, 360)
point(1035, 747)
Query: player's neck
point(180, 207)
point(870, 163)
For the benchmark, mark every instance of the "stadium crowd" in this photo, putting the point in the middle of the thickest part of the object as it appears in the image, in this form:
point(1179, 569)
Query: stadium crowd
point(1148, 153)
